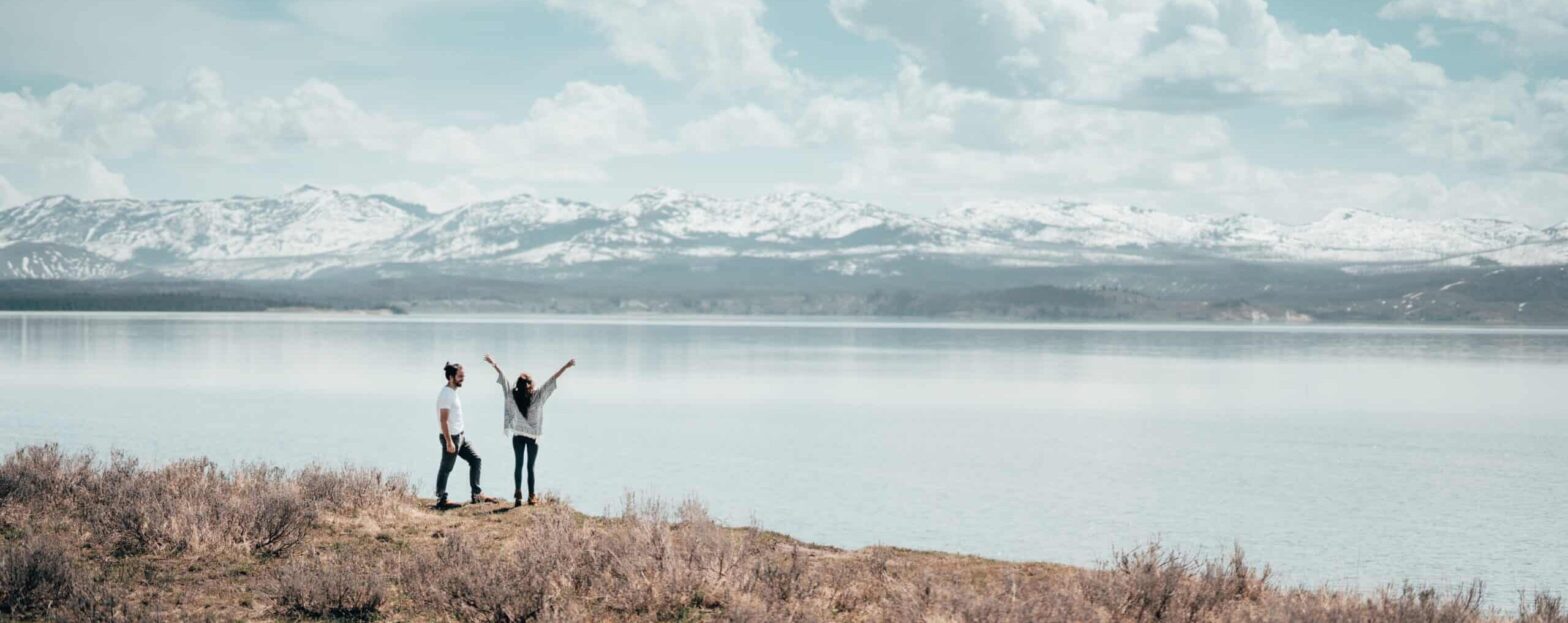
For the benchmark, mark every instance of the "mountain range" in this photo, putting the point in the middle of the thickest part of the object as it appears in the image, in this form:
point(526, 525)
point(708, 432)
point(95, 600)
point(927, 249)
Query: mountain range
point(312, 232)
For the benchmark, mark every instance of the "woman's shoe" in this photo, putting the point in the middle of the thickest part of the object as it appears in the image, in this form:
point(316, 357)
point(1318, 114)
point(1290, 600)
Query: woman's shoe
point(533, 499)
point(517, 499)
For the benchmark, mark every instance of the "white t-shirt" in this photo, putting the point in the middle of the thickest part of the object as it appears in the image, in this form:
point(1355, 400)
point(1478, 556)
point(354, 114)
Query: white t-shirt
point(448, 400)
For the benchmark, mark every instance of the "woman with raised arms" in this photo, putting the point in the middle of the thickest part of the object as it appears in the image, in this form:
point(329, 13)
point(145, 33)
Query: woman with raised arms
point(524, 422)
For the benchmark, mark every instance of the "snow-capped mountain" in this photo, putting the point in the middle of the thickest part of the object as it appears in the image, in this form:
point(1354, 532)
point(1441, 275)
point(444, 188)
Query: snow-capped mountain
point(1362, 236)
point(307, 221)
point(670, 223)
point(42, 260)
point(312, 231)
point(1076, 224)
point(1341, 236)
point(508, 229)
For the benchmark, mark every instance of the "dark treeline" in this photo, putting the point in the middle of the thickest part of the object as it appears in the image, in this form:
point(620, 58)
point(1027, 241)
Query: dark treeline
point(1222, 293)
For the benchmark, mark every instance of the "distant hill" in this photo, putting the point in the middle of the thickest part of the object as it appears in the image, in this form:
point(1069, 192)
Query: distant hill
point(668, 251)
point(311, 232)
point(45, 260)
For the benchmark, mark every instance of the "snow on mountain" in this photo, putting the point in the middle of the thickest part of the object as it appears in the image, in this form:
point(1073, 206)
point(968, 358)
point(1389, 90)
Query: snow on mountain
point(307, 221)
point(1345, 235)
point(498, 229)
point(1243, 231)
point(781, 219)
point(670, 223)
point(42, 260)
point(312, 231)
point(1362, 236)
point(1092, 225)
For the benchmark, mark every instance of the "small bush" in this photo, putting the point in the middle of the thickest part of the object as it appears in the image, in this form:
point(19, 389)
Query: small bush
point(476, 583)
point(331, 586)
point(43, 473)
point(1542, 608)
point(38, 579)
point(353, 490)
point(1151, 584)
point(190, 505)
point(36, 576)
point(274, 523)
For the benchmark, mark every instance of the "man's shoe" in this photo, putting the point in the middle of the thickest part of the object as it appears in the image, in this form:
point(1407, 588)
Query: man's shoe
point(442, 504)
point(482, 498)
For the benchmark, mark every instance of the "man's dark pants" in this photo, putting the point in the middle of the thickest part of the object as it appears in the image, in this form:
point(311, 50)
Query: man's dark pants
point(448, 459)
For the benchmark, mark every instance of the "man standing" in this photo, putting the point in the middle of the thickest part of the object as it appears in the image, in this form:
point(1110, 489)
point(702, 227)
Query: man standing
point(453, 443)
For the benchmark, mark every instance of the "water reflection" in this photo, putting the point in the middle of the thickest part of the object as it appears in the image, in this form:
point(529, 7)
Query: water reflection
point(1347, 455)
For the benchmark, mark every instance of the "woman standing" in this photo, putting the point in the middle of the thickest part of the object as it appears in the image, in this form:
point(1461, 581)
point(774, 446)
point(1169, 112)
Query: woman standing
point(524, 421)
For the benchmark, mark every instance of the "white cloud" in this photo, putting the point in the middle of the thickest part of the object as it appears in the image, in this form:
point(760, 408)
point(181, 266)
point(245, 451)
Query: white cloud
point(929, 142)
point(565, 137)
point(1533, 26)
point(447, 193)
point(72, 121)
point(719, 46)
point(315, 114)
point(68, 136)
point(62, 135)
point(9, 195)
point(1509, 123)
point(1426, 36)
point(970, 130)
point(83, 177)
point(1158, 53)
point(738, 127)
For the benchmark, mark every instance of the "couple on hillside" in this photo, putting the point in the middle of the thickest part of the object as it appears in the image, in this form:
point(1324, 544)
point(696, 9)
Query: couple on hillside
point(523, 407)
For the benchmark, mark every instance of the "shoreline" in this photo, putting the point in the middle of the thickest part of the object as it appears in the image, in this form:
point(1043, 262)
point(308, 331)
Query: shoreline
point(90, 539)
point(805, 321)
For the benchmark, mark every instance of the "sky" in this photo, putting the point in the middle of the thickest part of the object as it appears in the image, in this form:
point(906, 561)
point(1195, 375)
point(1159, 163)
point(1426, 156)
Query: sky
point(1287, 109)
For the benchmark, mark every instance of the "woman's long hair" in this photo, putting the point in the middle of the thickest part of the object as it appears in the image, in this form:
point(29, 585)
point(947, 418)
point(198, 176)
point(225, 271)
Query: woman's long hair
point(523, 395)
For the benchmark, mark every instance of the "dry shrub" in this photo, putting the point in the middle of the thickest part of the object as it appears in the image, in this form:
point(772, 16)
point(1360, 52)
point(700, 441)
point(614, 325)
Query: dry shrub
point(43, 472)
point(659, 568)
point(1542, 608)
point(274, 523)
point(35, 577)
point(650, 563)
point(643, 565)
point(350, 490)
point(1405, 603)
point(477, 583)
point(334, 586)
point(38, 579)
point(1151, 584)
point(193, 505)
point(189, 505)
point(1420, 603)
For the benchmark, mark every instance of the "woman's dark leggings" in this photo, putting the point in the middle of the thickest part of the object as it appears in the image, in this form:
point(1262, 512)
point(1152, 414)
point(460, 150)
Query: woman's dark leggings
point(524, 446)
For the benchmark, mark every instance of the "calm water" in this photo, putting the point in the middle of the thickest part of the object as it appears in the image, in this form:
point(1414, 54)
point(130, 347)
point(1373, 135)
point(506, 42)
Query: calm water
point(1346, 456)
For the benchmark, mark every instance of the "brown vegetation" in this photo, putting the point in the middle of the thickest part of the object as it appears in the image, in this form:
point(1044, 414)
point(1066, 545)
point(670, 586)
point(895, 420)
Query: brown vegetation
point(84, 540)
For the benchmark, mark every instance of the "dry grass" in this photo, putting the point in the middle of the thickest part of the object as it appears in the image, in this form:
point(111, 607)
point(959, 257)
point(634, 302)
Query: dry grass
point(90, 540)
point(39, 579)
point(345, 587)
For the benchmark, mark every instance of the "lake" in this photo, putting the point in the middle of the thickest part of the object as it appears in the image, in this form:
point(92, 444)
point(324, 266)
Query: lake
point(1347, 456)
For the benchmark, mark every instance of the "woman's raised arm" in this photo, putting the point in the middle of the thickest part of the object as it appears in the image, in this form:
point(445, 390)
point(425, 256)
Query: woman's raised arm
point(557, 374)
